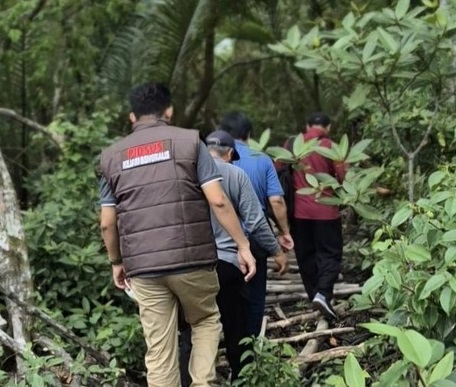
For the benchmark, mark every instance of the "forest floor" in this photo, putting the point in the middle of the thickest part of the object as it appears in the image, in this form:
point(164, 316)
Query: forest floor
point(291, 319)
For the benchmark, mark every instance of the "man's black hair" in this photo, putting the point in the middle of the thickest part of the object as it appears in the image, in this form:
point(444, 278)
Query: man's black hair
point(237, 124)
point(150, 98)
point(320, 119)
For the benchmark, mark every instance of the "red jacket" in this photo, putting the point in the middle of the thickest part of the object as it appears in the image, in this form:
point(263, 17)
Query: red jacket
point(305, 206)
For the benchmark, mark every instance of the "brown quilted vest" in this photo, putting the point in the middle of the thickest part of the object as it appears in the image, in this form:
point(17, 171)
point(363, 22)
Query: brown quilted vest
point(163, 218)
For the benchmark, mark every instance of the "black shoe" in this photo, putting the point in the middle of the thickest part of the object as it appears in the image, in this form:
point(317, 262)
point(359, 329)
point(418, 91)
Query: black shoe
point(319, 302)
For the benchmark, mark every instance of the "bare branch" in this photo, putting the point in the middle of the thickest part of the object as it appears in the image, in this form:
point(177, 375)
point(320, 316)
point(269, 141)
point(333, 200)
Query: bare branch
point(56, 138)
point(65, 332)
point(427, 133)
point(312, 335)
point(36, 10)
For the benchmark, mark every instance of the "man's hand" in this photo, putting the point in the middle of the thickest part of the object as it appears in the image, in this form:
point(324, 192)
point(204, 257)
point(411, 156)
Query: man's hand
point(118, 274)
point(286, 242)
point(247, 263)
point(281, 261)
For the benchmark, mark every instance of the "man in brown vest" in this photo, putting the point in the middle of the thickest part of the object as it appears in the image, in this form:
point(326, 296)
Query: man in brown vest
point(157, 188)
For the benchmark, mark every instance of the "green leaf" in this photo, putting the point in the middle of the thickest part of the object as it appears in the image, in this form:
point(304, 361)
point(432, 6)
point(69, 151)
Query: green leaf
point(354, 375)
point(443, 383)
point(393, 373)
point(312, 180)
point(438, 349)
point(14, 35)
point(307, 191)
point(372, 284)
point(443, 368)
point(357, 97)
point(415, 347)
point(348, 21)
point(309, 64)
point(447, 300)
point(293, 37)
point(401, 8)
point(367, 212)
point(280, 154)
point(394, 278)
point(85, 305)
point(343, 146)
point(264, 138)
point(435, 178)
point(253, 144)
point(330, 201)
point(450, 255)
point(382, 329)
point(401, 216)
point(433, 283)
point(336, 381)
point(388, 41)
point(441, 17)
point(449, 236)
point(369, 47)
point(328, 153)
point(417, 253)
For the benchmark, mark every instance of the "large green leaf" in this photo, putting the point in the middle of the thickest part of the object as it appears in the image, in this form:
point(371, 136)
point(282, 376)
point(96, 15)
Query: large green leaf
point(401, 216)
point(443, 368)
point(415, 347)
point(354, 374)
point(401, 8)
point(382, 329)
point(449, 236)
point(393, 374)
point(417, 253)
point(433, 283)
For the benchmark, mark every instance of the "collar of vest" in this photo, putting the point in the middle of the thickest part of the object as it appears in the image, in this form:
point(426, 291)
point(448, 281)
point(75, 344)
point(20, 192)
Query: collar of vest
point(148, 123)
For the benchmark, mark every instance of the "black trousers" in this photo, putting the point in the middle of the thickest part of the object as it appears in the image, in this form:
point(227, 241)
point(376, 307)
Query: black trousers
point(318, 247)
point(257, 289)
point(232, 302)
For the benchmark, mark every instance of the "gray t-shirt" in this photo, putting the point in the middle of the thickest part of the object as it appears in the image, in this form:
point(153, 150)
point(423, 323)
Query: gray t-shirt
point(206, 169)
point(240, 191)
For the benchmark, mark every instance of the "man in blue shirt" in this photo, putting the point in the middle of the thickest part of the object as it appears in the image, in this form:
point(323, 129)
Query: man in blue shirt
point(261, 172)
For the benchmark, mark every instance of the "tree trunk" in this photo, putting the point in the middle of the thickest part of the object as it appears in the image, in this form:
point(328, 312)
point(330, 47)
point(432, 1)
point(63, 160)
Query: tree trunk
point(14, 265)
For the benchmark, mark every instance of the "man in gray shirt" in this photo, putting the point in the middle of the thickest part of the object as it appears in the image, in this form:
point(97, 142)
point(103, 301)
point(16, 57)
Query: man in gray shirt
point(232, 297)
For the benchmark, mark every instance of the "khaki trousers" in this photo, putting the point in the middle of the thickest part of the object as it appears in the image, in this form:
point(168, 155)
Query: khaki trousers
point(158, 304)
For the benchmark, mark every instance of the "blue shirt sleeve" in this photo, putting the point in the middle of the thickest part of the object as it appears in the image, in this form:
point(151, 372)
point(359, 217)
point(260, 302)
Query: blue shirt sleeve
point(107, 197)
point(273, 186)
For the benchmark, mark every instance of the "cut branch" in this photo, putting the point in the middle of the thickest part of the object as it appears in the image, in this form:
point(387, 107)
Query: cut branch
point(312, 335)
point(329, 354)
point(303, 318)
point(56, 138)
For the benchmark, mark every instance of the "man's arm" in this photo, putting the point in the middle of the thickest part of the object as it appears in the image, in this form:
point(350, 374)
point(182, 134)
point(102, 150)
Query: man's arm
point(255, 223)
point(108, 225)
point(109, 233)
point(225, 214)
point(252, 216)
point(209, 179)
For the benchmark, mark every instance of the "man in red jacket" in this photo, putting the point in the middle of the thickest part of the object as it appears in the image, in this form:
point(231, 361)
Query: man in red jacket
point(316, 228)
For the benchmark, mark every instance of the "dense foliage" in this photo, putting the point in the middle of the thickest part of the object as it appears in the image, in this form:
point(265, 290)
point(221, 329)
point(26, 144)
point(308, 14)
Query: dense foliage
point(384, 70)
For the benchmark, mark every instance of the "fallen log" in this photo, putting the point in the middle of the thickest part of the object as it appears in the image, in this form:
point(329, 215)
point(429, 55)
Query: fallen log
point(313, 344)
point(303, 318)
point(328, 354)
point(292, 288)
point(311, 335)
point(280, 312)
point(279, 298)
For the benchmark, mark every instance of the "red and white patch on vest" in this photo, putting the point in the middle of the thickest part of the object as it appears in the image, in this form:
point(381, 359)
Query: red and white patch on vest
point(153, 152)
